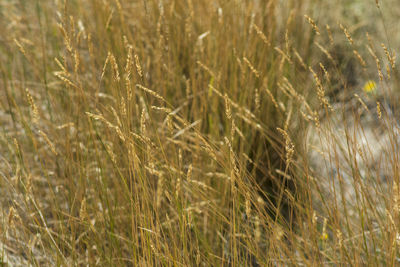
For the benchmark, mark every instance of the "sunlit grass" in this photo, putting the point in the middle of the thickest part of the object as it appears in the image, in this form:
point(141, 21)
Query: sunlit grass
point(198, 133)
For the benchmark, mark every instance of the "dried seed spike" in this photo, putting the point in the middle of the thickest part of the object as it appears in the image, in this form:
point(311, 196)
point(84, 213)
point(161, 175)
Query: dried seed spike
point(189, 173)
point(82, 211)
point(49, 143)
point(329, 56)
point(234, 171)
point(362, 102)
point(300, 59)
point(289, 146)
point(110, 152)
point(128, 64)
point(228, 110)
point(170, 124)
point(105, 65)
point(114, 65)
point(339, 236)
point(90, 45)
point(372, 52)
point(287, 45)
point(126, 42)
point(166, 110)
point(261, 34)
point(233, 130)
point(314, 217)
point(378, 109)
point(257, 100)
point(189, 19)
point(388, 71)
point(151, 92)
point(206, 68)
point(118, 5)
point(325, 71)
point(272, 98)
point(128, 87)
point(330, 36)
point(138, 66)
point(252, 68)
point(377, 61)
point(369, 40)
point(394, 59)
point(388, 56)
point(108, 124)
point(67, 40)
point(16, 145)
point(284, 55)
point(378, 65)
point(143, 122)
point(320, 90)
point(11, 213)
point(346, 32)
point(389, 215)
point(20, 47)
point(116, 116)
point(72, 25)
point(123, 107)
point(34, 109)
point(360, 59)
point(108, 22)
point(178, 188)
point(77, 61)
point(61, 66)
point(313, 25)
point(28, 186)
point(65, 80)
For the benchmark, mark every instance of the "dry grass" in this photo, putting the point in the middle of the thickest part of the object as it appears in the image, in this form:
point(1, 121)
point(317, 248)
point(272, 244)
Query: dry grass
point(199, 133)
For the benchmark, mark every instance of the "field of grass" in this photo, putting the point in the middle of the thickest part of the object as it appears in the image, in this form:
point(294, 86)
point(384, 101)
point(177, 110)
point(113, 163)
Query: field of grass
point(199, 133)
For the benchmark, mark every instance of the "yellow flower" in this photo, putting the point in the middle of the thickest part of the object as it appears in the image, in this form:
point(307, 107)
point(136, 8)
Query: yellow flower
point(370, 87)
point(324, 236)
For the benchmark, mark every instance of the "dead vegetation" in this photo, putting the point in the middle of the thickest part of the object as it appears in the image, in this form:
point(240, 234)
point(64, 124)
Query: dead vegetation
point(198, 133)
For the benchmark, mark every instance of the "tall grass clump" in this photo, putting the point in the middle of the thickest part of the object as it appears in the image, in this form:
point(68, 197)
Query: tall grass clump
point(199, 133)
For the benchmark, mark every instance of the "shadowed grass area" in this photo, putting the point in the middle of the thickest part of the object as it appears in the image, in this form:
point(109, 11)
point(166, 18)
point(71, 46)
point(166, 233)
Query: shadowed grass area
point(198, 133)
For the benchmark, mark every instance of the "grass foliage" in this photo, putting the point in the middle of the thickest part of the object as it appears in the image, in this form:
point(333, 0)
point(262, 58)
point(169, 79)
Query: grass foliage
point(199, 133)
